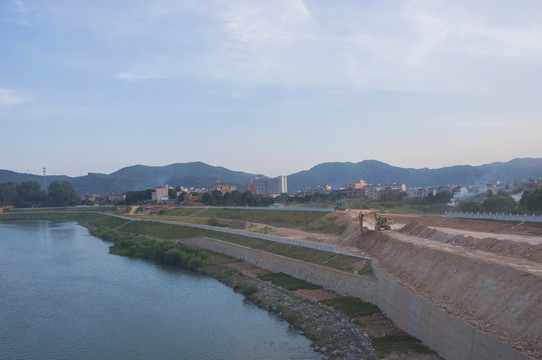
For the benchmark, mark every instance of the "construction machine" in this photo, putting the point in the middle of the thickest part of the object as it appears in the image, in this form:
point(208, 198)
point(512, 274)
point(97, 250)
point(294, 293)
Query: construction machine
point(381, 222)
point(339, 205)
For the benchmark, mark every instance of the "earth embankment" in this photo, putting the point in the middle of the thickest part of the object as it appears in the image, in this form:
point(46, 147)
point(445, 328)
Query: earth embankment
point(501, 295)
point(506, 247)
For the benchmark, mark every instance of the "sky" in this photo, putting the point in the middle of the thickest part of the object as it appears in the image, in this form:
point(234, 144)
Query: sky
point(267, 87)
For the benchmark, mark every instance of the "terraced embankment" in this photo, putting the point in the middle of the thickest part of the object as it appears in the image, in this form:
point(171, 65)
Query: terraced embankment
point(462, 302)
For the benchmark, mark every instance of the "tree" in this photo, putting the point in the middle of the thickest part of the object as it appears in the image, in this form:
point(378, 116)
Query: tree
point(499, 203)
point(470, 206)
point(531, 200)
point(172, 194)
point(8, 193)
point(61, 193)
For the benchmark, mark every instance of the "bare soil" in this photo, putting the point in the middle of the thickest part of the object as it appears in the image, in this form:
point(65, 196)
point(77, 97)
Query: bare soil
point(317, 295)
point(499, 294)
point(248, 269)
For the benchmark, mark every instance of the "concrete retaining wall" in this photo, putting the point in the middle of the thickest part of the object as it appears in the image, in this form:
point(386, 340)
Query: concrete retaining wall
point(445, 333)
point(348, 284)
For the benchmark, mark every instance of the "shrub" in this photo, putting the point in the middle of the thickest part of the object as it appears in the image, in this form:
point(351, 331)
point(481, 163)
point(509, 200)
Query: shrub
point(249, 288)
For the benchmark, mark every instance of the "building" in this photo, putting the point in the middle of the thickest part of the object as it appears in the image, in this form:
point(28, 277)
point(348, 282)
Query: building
point(251, 188)
point(270, 186)
point(223, 187)
point(161, 193)
point(420, 192)
point(373, 191)
point(324, 189)
point(360, 185)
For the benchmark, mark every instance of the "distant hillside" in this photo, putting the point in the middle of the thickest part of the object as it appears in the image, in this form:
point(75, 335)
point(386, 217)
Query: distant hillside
point(337, 174)
point(7, 176)
point(139, 177)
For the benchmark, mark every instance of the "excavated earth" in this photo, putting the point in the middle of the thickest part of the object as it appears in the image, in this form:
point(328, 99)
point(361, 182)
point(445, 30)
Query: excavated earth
point(493, 283)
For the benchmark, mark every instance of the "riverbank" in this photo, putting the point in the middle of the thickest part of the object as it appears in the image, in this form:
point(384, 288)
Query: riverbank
point(338, 334)
point(333, 334)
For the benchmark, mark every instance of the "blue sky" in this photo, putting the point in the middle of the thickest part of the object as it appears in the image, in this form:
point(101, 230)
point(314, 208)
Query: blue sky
point(270, 87)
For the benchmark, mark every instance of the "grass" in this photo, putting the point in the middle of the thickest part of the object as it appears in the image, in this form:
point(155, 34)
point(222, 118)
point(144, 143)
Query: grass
point(162, 231)
point(386, 345)
point(367, 270)
point(183, 212)
point(327, 224)
point(287, 219)
point(352, 307)
point(340, 262)
point(288, 282)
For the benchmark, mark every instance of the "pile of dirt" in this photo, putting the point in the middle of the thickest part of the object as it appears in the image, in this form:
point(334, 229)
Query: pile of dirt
point(501, 227)
point(525, 250)
point(500, 299)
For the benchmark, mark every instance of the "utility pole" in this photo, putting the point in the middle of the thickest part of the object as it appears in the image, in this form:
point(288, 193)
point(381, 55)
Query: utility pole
point(44, 180)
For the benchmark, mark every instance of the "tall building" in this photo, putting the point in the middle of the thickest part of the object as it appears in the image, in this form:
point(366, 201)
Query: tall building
point(160, 193)
point(267, 185)
point(223, 187)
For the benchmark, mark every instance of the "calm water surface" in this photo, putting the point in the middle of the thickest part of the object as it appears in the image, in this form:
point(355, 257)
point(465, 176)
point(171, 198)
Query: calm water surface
point(62, 296)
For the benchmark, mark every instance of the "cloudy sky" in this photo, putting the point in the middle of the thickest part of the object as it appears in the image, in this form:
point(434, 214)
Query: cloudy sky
point(269, 87)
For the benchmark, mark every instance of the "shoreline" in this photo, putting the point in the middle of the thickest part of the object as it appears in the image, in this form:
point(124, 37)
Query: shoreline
point(333, 333)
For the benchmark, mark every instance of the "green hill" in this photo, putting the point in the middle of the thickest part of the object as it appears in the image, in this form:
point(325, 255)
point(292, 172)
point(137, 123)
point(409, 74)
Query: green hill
point(336, 174)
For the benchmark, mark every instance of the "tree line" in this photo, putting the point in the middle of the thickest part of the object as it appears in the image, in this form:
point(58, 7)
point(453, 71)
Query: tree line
point(29, 194)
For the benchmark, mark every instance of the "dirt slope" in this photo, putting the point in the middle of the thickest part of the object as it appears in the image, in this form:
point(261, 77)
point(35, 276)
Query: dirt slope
point(499, 294)
point(511, 245)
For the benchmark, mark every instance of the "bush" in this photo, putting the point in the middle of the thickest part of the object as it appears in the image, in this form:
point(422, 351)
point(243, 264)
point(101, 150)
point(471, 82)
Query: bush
point(248, 289)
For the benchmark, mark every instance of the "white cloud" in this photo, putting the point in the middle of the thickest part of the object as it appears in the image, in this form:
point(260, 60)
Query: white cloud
point(9, 98)
point(20, 6)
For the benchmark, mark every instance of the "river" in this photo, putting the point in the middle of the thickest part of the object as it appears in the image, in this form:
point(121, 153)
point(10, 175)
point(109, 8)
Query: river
point(62, 296)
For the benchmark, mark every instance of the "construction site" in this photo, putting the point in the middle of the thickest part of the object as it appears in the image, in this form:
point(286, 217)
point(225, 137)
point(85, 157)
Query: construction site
point(467, 288)
point(487, 273)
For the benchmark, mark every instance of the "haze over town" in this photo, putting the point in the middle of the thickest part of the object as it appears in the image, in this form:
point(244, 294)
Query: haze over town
point(267, 87)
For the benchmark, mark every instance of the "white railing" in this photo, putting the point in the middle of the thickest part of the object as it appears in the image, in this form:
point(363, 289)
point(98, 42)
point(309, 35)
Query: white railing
point(271, 208)
point(491, 216)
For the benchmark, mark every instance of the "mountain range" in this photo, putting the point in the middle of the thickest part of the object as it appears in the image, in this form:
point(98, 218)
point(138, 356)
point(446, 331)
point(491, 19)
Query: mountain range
point(335, 174)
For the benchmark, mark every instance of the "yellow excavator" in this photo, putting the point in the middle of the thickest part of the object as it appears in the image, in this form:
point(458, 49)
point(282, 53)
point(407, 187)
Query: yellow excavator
point(382, 222)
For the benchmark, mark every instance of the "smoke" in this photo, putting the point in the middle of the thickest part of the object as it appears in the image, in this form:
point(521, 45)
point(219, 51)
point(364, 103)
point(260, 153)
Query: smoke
point(517, 197)
point(468, 194)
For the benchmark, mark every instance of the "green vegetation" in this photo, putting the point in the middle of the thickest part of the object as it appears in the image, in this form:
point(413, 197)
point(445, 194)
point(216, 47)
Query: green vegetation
point(288, 219)
point(183, 211)
point(136, 197)
point(386, 345)
point(352, 307)
point(288, 282)
point(532, 201)
point(248, 289)
point(28, 194)
point(367, 270)
point(164, 252)
point(326, 224)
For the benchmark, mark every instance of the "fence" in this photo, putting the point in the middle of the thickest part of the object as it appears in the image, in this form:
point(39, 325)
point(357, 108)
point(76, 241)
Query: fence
point(303, 243)
point(490, 216)
point(258, 208)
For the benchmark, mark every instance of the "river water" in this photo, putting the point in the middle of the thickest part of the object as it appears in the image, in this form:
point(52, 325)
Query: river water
point(62, 296)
